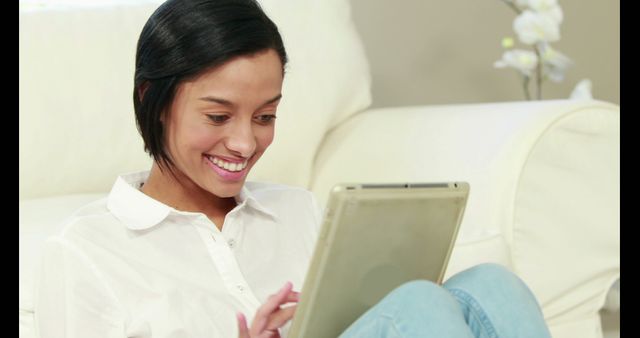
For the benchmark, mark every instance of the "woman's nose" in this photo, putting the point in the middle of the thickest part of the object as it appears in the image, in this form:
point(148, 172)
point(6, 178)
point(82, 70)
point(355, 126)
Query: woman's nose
point(241, 140)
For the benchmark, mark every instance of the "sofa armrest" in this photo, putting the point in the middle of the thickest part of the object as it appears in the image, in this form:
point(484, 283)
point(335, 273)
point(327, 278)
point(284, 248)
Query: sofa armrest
point(544, 176)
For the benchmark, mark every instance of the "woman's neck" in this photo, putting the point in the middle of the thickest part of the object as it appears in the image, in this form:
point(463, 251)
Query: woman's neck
point(183, 194)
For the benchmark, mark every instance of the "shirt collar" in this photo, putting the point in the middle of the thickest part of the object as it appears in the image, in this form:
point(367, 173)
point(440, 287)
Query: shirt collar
point(139, 211)
point(246, 197)
point(131, 206)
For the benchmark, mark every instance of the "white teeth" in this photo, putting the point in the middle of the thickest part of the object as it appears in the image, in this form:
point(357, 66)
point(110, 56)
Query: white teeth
point(228, 165)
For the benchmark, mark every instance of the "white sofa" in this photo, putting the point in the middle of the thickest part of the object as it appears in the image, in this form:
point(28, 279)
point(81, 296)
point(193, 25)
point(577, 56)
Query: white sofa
point(544, 175)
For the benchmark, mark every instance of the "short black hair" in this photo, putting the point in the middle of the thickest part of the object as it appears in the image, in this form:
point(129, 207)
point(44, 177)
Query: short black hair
point(184, 38)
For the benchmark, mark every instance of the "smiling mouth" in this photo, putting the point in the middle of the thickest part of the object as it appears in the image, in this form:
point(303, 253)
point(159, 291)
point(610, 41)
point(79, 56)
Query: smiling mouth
point(228, 166)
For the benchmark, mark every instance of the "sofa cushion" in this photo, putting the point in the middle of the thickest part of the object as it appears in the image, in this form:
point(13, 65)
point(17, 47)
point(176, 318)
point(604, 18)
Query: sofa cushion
point(327, 80)
point(77, 128)
point(40, 218)
point(76, 83)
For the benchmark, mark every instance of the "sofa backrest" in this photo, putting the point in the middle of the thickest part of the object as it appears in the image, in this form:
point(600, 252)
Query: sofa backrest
point(77, 128)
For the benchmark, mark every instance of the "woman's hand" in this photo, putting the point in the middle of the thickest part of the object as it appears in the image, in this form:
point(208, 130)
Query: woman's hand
point(270, 316)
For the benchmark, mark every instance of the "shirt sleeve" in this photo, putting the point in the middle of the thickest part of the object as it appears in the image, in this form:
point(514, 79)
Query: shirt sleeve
point(71, 300)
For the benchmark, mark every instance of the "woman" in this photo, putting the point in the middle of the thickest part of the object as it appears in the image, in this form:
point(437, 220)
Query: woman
point(189, 249)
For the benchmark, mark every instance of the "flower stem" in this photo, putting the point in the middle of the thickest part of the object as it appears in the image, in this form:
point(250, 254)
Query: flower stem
point(538, 72)
point(525, 84)
point(513, 6)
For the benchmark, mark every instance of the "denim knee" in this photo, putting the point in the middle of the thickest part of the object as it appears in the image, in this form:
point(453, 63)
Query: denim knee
point(485, 273)
point(414, 309)
point(416, 288)
point(494, 299)
point(491, 269)
point(419, 296)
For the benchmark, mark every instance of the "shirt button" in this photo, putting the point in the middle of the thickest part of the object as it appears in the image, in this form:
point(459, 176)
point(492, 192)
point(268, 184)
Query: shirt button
point(240, 288)
point(231, 243)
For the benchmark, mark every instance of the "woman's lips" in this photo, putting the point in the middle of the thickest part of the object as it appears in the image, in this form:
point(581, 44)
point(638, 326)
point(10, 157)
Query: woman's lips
point(227, 174)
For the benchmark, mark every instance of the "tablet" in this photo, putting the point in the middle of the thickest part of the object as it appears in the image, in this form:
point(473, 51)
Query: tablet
point(375, 237)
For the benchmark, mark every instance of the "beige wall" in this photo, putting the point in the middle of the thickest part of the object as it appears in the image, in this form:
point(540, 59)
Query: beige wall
point(441, 52)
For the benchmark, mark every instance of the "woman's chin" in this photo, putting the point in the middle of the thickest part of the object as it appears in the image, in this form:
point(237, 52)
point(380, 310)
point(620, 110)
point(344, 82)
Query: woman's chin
point(228, 189)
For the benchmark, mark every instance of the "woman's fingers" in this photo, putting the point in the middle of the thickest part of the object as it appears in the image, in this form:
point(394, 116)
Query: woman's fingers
point(278, 298)
point(243, 330)
point(272, 304)
point(281, 317)
point(293, 297)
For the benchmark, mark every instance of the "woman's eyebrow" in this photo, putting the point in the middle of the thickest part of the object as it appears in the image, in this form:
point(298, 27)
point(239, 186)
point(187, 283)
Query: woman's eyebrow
point(276, 98)
point(217, 100)
point(230, 104)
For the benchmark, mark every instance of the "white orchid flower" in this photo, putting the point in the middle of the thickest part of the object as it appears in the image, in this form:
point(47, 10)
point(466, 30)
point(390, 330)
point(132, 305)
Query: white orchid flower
point(554, 13)
point(538, 24)
point(554, 57)
point(522, 60)
point(534, 27)
point(547, 7)
point(554, 74)
point(555, 63)
point(541, 5)
point(582, 91)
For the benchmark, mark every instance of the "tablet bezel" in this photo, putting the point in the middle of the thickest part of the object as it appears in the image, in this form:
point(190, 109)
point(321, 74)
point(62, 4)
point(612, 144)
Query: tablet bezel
point(343, 195)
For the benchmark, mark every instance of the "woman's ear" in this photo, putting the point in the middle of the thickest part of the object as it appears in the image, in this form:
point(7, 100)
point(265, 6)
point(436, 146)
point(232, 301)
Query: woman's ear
point(162, 117)
point(142, 89)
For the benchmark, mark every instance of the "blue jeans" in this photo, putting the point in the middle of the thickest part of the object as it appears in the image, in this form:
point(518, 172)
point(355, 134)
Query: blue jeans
point(485, 301)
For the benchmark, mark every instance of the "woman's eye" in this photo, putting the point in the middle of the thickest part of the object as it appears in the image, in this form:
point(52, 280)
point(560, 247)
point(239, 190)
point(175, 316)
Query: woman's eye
point(218, 118)
point(266, 118)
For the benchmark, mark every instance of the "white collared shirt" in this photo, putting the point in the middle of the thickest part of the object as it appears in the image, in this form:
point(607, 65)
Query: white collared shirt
point(130, 266)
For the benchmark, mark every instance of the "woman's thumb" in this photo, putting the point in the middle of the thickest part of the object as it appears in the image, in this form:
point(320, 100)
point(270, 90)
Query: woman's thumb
point(243, 330)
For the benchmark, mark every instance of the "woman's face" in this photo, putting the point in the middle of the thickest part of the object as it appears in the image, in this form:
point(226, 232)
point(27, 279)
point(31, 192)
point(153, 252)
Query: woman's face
point(221, 122)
